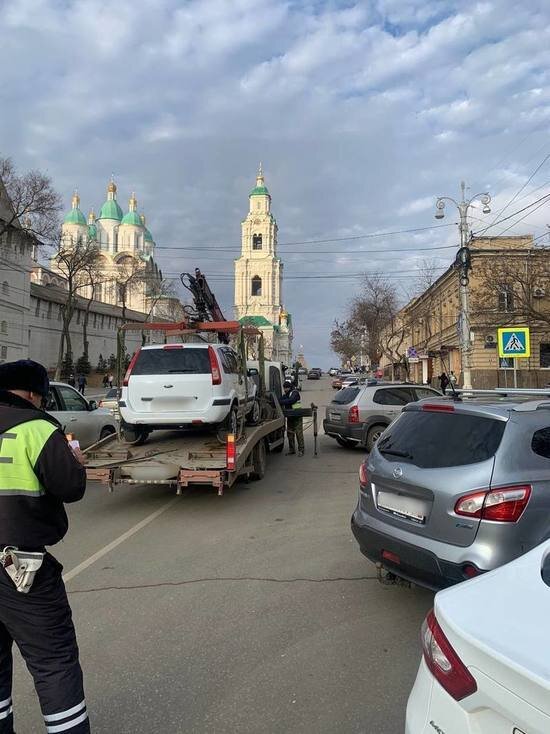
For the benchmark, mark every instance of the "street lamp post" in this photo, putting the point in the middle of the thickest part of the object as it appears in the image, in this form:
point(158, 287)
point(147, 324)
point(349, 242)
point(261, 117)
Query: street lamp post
point(463, 264)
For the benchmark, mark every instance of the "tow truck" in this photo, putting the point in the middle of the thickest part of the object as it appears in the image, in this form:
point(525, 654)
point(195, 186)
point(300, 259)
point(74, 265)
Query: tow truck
point(184, 458)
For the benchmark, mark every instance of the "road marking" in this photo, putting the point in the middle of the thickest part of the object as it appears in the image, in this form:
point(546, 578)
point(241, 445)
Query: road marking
point(113, 544)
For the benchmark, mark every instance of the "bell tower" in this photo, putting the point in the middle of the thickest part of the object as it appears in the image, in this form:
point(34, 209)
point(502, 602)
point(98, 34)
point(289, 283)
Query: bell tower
point(258, 271)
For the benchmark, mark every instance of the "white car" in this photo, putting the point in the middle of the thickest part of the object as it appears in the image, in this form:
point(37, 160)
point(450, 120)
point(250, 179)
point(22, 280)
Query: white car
point(179, 385)
point(78, 416)
point(486, 663)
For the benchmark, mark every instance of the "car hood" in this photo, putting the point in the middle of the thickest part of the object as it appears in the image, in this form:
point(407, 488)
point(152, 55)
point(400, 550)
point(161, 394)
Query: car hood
point(503, 617)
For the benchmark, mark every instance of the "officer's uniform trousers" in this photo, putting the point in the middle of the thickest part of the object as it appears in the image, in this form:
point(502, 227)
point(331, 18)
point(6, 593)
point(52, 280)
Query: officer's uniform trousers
point(40, 623)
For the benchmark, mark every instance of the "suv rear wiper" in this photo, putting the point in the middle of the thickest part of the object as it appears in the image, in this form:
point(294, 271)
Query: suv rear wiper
point(395, 452)
point(180, 372)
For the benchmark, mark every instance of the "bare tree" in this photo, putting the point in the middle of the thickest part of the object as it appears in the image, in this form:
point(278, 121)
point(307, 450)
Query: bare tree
point(372, 311)
point(344, 340)
point(34, 202)
point(75, 263)
point(513, 288)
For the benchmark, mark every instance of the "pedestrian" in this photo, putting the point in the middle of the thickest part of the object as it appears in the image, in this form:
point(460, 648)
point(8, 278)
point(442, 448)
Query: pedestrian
point(110, 379)
point(105, 381)
point(39, 471)
point(443, 382)
point(82, 382)
point(71, 380)
point(294, 424)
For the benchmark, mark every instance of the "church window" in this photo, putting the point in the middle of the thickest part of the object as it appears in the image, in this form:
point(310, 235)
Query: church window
point(258, 205)
point(257, 242)
point(256, 286)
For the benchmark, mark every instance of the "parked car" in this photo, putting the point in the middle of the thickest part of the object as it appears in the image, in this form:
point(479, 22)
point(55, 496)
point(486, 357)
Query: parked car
point(79, 416)
point(337, 382)
point(179, 385)
point(485, 654)
point(358, 414)
point(456, 488)
point(313, 375)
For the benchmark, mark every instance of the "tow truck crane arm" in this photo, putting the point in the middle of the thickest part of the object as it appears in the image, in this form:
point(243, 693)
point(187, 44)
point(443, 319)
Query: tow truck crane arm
point(206, 306)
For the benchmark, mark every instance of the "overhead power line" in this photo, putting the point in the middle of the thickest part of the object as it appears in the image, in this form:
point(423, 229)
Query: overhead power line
point(543, 199)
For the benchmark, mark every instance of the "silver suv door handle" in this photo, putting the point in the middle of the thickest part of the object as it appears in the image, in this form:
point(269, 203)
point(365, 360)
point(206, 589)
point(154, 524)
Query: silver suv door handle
point(168, 386)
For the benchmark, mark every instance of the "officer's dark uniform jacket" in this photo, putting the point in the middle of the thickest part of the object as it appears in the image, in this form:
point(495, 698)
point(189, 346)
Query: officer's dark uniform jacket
point(292, 400)
point(39, 473)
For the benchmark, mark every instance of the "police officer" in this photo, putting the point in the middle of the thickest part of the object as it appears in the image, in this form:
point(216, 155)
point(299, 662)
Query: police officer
point(38, 473)
point(294, 424)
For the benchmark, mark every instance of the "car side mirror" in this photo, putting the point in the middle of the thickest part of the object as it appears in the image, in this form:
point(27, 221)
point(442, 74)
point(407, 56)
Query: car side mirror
point(92, 405)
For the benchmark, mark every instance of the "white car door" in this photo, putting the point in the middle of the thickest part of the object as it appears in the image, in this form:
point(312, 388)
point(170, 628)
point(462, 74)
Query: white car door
point(76, 416)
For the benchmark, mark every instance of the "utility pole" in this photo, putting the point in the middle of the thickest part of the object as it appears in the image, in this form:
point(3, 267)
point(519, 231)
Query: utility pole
point(463, 264)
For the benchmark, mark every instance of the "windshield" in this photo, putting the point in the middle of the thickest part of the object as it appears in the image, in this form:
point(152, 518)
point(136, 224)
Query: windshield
point(436, 440)
point(172, 361)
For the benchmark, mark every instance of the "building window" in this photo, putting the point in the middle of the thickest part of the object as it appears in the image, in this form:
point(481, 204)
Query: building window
point(37, 308)
point(506, 298)
point(5, 288)
point(102, 322)
point(49, 314)
point(78, 316)
point(3, 352)
point(95, 321)
point(545, 354)
point(257, 242)
point(256, 286)
point(4, 327)
point(60, 313)
point(98, 292)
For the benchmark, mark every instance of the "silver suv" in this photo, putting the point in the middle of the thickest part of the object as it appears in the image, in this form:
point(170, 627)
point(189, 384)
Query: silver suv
point(456, 488)
point(358, 414)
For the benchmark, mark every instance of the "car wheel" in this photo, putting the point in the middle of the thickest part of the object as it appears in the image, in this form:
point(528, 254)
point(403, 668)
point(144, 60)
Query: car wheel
point(255, 414)
point(373, 435)
point(259, 461)
point(344, 442)
point(134, 436)
point(230, 425)
point(107, 431)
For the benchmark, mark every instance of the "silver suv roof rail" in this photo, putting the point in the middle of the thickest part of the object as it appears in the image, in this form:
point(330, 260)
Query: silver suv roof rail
point(503, 391)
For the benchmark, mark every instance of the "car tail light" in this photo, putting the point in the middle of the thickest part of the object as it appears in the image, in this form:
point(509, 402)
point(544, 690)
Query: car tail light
point(363, 475)
point(214, 367)
point(501, 504)
point(130, 368)
point(443, 661)
point(173, 346)
point(353, 414)
point(438, 407)
point(391, 557)
point(230, 453)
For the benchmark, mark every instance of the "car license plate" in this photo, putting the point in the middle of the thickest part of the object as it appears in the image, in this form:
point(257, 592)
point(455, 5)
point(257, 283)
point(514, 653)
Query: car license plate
point(335, 416)
point(408, 508)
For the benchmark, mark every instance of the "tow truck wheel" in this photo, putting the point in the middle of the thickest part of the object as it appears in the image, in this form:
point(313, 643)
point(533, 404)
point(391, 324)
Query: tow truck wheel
point(259, 461)
point(134, 436)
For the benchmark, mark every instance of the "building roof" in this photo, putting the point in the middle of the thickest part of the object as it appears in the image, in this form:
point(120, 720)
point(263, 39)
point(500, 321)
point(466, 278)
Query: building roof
point(111, 210)
point(75, 216)
point(259, 191)
point(255, 321)
point(132, 218)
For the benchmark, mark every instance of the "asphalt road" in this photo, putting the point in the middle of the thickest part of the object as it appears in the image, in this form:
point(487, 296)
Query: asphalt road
point(249, 613)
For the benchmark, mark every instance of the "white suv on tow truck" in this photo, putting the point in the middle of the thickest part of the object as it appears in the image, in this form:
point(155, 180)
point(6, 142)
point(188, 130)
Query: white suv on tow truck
point(170, 386)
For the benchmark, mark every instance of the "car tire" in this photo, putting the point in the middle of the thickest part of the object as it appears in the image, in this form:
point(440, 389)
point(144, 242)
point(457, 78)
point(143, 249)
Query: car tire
point(255, 414)
point(373, 434)
point(344, 442)
point(259, 461)
point(135, 436)
point(106, 431)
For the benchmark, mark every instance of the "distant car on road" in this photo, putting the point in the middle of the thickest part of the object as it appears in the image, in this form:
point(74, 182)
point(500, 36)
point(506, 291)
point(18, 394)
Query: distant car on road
point(359, 413)
point(333, 371)
point(485, 654)
point(456, 488)
point(79, 416)
point(314, 375)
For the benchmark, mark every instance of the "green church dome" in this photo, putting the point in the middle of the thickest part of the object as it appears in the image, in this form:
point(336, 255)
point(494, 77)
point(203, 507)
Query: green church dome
point(111, 210)
point(75, 216)
point(132, 218)
point(259, 191)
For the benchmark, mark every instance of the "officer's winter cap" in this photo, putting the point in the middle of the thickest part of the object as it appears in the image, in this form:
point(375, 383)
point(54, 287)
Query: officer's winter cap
point(24, 375)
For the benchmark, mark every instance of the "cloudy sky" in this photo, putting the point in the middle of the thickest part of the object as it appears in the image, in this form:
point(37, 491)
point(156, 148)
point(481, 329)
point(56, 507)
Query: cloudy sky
point(361, 112)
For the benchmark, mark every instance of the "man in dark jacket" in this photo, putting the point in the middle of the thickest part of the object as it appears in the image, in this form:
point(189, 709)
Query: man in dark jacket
point(294, 424)
point(38, 473)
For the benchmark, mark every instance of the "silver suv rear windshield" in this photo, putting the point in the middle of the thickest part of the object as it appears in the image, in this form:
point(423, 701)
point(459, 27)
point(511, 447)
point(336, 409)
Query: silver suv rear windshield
point(188, 360)
point(435, 440)
point(346, 395)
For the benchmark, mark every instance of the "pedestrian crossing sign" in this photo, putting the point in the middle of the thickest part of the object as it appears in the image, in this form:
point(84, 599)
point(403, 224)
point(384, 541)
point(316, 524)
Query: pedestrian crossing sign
point(514, 341)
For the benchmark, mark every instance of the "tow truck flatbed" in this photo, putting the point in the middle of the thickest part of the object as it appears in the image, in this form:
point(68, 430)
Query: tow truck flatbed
point(181, 458)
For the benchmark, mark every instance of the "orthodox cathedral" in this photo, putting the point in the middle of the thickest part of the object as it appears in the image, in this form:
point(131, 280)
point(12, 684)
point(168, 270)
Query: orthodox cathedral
point(259, 276)
point(126, 246)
